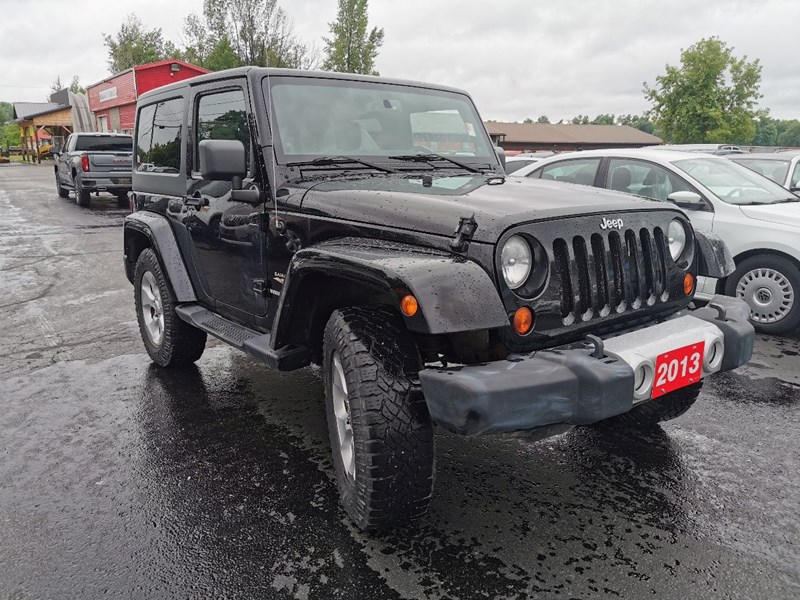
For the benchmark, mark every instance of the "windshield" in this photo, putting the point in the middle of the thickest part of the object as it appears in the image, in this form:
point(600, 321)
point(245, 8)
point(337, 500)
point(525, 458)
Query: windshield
point(327, 117)
point(774, 169)
point(104, 143)
point(733, 183)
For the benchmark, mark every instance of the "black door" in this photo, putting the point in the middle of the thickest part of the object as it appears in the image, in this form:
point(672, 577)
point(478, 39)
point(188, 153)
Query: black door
point(226, 235)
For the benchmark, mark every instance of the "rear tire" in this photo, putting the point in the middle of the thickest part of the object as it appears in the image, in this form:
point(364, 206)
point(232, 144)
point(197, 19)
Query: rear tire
point(380, 430)
point(169, 341)
point(771, 287)
point(122, 200)
point(667, 407)
point(82, 197)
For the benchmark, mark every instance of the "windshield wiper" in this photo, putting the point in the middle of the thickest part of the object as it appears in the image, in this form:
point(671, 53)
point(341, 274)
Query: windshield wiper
point(337, 161)
point(429, 158)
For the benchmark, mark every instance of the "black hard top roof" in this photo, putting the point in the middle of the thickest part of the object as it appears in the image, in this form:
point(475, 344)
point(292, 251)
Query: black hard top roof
point(259, 72)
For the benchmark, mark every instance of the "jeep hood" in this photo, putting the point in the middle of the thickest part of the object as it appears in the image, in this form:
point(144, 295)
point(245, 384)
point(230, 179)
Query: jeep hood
point(410, 203)
point(783, 214)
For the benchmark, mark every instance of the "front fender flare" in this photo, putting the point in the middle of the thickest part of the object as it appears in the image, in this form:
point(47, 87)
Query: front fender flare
point(454, 294)
point(714, 259)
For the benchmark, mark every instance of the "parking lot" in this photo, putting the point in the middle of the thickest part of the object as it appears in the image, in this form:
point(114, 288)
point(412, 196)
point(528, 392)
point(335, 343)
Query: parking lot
point(123, 480)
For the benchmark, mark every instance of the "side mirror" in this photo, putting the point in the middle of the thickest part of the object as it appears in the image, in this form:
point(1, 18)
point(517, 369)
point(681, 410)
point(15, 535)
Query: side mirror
point(687, 200)
point(501, 155)
point(223, 160)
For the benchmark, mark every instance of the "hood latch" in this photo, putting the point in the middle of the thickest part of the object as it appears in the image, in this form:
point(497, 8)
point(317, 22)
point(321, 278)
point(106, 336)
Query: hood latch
point(464, 232)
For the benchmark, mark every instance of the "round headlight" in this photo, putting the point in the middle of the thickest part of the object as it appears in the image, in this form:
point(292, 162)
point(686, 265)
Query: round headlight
point(516, 259)
point(676, 235)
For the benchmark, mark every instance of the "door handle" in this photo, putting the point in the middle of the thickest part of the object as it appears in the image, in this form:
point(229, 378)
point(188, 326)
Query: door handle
point(196, 201)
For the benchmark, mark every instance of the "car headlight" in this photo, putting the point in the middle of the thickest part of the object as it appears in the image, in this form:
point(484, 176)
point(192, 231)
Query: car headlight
point(516, 259)
point(676, 236)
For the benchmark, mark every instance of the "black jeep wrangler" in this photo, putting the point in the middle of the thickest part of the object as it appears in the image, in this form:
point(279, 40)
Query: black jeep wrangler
point(366, 225)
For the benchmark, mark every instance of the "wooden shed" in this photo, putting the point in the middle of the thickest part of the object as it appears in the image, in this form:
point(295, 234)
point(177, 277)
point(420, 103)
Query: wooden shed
point(40, 120)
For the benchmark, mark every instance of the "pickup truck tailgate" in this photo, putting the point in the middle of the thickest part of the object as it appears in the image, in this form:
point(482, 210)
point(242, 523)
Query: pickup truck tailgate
point(111, 161)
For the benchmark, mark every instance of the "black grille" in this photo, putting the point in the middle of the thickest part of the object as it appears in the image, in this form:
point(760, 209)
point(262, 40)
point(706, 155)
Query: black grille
point(613, 273)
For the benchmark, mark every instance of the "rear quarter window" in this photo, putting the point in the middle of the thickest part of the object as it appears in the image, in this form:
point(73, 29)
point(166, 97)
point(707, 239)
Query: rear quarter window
point(158, 137)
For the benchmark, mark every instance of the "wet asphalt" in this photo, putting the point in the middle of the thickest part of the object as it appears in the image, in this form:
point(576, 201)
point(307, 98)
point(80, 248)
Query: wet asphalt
point(121, 480)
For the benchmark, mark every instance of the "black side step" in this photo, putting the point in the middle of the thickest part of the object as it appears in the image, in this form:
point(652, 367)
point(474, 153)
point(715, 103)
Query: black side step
point(255, 343)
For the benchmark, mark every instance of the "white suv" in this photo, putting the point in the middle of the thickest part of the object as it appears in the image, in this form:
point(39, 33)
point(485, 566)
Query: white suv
point(758, 219)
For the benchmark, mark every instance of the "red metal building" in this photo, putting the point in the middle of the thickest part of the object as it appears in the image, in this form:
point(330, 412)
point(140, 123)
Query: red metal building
point(113, 100)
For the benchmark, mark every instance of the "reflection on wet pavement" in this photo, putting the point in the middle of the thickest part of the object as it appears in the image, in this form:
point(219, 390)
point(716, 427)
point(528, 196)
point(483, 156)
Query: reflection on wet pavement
point(125, 478)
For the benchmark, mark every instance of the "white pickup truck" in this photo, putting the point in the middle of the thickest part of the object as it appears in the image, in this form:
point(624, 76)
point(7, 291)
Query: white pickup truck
point(94, 163)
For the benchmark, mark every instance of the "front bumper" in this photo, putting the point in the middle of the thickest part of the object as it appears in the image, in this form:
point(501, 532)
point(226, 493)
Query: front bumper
point(572, 386)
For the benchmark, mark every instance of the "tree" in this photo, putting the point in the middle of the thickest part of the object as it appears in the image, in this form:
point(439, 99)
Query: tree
point(6, 112)
point(75, 86)
point(766, 130)
point(711, 97)
point(528, 120)
point(56, 86)
point(580, 120)
point(222, 56)
point(351, 49)
point(790, 137)
point(134, 45)
point(543, 119)
point(640, 122)
point(258, 32)
point(603, 120)
point(10, 135)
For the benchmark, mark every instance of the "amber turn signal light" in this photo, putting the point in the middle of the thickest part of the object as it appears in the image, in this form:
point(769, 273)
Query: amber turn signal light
point(523, 320)
point(409, 305)
point(688, 284)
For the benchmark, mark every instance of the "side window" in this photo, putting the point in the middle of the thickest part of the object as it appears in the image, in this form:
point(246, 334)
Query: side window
point(222, 116)
point(165, 153)
point(580, 170)
point(643, 178)
point(796, 176)
point(144, 137)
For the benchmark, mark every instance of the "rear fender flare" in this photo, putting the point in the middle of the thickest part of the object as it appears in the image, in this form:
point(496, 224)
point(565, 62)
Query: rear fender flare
point(162, 240)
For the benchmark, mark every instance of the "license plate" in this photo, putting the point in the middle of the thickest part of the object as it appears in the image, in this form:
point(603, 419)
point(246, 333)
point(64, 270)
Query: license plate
point(678, 368)
point(123, 181)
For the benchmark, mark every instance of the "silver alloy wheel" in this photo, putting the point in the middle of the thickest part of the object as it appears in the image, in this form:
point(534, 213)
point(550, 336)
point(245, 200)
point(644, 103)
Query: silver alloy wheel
point(341, 409)
point(768, 292)
point(152, 308)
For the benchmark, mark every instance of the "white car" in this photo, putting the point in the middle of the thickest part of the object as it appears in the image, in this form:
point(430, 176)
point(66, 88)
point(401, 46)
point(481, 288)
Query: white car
point(758, 219)
point(514, 163)
point(782, 167)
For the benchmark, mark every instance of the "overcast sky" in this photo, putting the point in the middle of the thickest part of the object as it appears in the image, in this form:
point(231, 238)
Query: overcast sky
point(518, 58)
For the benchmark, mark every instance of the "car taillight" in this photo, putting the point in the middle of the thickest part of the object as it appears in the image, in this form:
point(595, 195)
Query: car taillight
point(84, 163)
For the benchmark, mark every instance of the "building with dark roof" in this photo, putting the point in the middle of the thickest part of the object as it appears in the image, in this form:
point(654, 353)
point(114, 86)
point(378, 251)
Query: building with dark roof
point(46, 124)
point(524, 137)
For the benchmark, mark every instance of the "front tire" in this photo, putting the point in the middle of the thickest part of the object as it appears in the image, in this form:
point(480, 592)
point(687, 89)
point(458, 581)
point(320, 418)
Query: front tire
point(380, 430)
point(62, 191)
point(169, 341)
point(667, 407)
point(770, 285)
